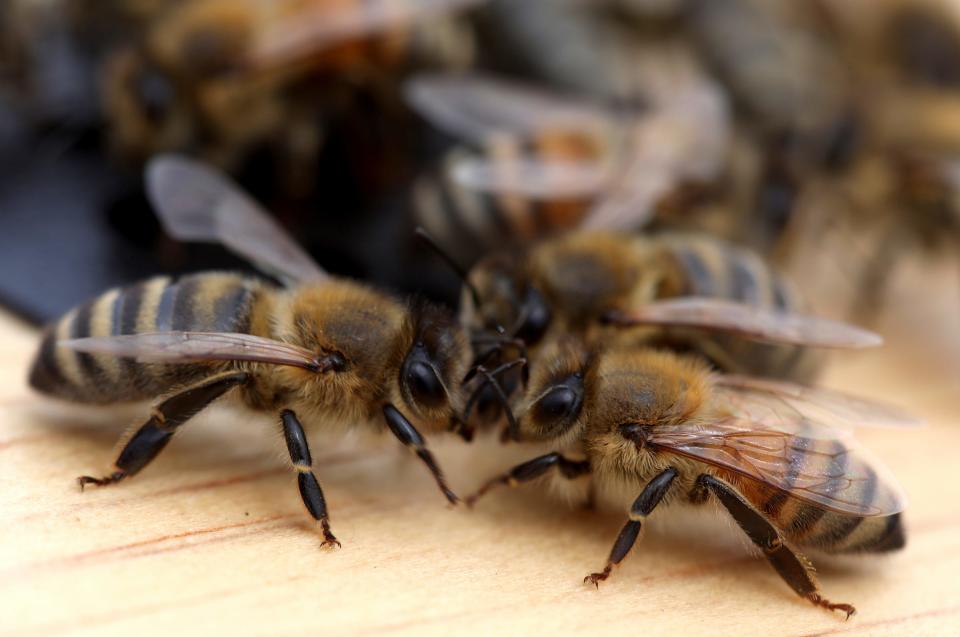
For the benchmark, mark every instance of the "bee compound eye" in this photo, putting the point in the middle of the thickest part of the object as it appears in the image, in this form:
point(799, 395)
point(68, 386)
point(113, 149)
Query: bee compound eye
point(537, 317)
point(424, 385)
point(560, 404)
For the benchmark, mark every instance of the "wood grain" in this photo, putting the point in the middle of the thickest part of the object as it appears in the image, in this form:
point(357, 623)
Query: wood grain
point(213, 536)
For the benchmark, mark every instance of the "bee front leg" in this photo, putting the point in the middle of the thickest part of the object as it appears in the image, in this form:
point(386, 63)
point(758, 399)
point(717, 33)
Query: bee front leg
point(410, 437)
point(150, 439)
point(645, 503)
point(795, 570)
point(533, 469)
point(302, 461)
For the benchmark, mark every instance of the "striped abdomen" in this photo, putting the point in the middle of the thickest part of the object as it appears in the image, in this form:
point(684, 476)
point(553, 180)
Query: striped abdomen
point(481, 221)
point(715, 268)
point(215, 301)
point(852, 481)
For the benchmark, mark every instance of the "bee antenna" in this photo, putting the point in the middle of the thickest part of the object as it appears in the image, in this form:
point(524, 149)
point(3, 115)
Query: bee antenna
point(490, 378)
point(498, 341)
point(429, 241)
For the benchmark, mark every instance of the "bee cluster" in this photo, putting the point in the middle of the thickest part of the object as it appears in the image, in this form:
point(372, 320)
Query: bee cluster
point(612, 185)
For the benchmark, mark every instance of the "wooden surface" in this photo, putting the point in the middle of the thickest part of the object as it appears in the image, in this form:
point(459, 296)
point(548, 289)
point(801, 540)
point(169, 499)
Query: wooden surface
point(213, 535)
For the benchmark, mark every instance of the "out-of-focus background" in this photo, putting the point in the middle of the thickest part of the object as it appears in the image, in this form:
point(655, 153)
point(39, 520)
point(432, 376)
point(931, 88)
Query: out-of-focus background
point(824, 134)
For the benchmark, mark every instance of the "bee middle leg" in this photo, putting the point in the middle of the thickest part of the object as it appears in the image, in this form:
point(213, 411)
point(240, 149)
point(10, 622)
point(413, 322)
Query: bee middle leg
point(645, 503)
point(302, 461)
point(795, 570)
point(532, 469)
point(150, 439)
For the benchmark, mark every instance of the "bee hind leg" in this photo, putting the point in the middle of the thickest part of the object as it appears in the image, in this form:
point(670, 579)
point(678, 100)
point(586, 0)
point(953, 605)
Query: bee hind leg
point(645, 503)
point(795, 570)
point(310, 489)
point(150, 439)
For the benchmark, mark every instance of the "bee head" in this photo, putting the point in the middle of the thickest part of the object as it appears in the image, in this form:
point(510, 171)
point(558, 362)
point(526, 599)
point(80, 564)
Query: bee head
point(144, 104)
point(553, 406)
point(506, 300)
point(433, 365)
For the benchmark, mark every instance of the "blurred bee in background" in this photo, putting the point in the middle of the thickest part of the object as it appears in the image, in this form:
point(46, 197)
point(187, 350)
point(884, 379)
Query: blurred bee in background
point(772, 56)
point(893, 206)
point(216, 77)
point(324, 349)
point(776, 456)
point(605, 44)
point(765, 56)
point(897, 195)
point(905, 58)
point(543, 163)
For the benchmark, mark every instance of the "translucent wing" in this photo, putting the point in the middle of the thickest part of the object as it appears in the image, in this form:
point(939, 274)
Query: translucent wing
point(532, 178)
point(328, 24)
point(630, 203)
point(195, 202)
point(748, 321)
point(841, 410)
point(477, 107)
point(811, 461)
point(191, 347)
point(666, 148)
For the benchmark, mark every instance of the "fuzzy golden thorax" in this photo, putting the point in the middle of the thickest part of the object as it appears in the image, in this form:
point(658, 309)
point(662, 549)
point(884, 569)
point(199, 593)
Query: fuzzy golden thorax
point(631, 390)
point(411, 356)
point(567, 284)
point(585, 274)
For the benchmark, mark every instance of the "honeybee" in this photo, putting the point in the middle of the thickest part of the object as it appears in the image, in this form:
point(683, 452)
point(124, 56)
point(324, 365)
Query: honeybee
point(600, 48)
point(683, 292)
point(777, 456)
point(668, 287)
point(217, 76)
point(772, 56)
point(896, 197)
point(543, 162)
point(322, 349)
point(904, 57)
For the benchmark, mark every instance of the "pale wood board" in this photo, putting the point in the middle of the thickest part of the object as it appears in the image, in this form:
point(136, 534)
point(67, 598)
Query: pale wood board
point(213, 537)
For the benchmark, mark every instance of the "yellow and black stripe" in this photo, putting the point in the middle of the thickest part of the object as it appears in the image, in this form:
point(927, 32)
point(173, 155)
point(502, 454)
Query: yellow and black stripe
point(482, 221)
point(716, 268)
point(220, 302)
point(808, 525)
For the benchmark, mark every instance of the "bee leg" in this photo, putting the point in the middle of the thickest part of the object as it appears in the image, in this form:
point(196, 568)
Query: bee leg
point(532, 469)
point(404, 430)
point(309, 487)
point(645, 503)
point(796, 571)
point(153, 436)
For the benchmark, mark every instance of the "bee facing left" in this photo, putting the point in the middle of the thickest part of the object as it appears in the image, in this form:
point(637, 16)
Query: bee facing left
point(661, 427)
point(324, 349)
